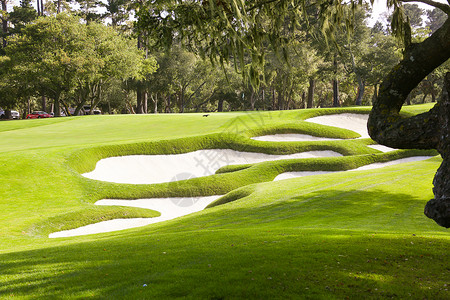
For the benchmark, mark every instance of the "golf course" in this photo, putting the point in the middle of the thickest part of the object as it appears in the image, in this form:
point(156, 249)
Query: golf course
point(335, 229)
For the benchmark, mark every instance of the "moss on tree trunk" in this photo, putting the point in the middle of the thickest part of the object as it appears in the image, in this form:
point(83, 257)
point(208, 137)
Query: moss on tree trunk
point(429, 130)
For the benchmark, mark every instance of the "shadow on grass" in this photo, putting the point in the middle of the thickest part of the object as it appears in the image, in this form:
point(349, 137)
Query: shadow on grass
point(284, 249)
point(344, 209)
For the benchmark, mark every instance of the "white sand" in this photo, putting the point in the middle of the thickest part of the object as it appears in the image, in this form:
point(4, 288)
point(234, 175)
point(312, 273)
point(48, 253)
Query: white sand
point(382, 148)
point(290, 137)
point(354, 122)
point(289, 175)
point(149, 169)
point(170, 208)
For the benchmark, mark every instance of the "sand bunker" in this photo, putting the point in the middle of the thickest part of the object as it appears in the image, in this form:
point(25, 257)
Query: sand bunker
point(289, 175)
point(354, 122)
point(170, 208)
point(290, 137)
point(150, 169)
point(382, 148)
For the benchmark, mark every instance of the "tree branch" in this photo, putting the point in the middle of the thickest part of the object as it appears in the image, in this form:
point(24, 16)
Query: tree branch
point(444, 7)
point(385, 125)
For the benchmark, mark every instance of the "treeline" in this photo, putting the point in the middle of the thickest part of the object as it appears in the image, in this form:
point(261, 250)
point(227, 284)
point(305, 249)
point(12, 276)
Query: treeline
point(63, 56)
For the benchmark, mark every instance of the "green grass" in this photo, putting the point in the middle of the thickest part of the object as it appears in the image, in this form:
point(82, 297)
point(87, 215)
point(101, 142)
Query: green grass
point(343, 235)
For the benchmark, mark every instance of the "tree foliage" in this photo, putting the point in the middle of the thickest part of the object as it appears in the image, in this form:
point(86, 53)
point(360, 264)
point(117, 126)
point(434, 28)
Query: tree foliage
point(54, 56)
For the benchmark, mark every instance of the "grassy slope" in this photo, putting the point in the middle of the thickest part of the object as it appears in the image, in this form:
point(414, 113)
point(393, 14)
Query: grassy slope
point(359, 234)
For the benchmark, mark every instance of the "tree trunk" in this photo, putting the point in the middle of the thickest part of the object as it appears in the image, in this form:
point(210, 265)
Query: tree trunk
point(408, 99)
point(167, 109)
point(303, 104)
point(336, 102)
point(280, 100)
point(56, 109)
point(424, 97)
point(273, 99)
point(155, 102)
point(44, 103)
point(183, 90)
point(220, 105)
point(253, 99)
point(4, 22)
point(361, 84)
point(139, 99)
point(145, 103)
point(263, 98)
point(312, 86)
point(430, 130)
point(361, 88)
point(375, 93)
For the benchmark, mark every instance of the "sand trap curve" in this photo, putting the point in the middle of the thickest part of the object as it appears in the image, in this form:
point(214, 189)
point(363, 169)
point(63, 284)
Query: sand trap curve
point(382, 148)
point(170, 208)
point(353, 122)
point(150, 169)
point(290, 137)
point(289, 175)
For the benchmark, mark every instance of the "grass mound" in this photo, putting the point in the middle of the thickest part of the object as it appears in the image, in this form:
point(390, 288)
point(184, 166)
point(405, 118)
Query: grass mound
point(342, 235)
point(89, 215)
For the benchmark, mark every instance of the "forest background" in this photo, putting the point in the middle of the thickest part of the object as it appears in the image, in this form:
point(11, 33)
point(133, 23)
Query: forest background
point(63, 56)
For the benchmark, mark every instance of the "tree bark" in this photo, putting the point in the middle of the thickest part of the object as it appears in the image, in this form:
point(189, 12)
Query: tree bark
point(430, 130)
point(220, 105)
point(43, 103)
point(155, 102)
point(336, 100)
point(312, 85)
point(145, 103)
point(361, 88)
point(139, 99)
point(273, 99)
point(4, 23)
point(38, 8)
point(56, 109)
point(375, 93)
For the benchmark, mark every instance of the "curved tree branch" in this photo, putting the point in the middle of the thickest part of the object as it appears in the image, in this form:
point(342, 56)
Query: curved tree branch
point(442, 6)
point(430, 130)
point(385, 125)
point(438, 208)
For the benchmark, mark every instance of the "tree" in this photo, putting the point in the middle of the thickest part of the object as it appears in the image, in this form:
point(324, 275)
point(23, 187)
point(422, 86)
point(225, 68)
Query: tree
point(415, 14)
point(22, 15)
point(234, 27)
point(425, 131)
point(117, 10)
point(4, 18)
point(54, 56)
point(384, 53)
point(435, 19)
point(52, 52)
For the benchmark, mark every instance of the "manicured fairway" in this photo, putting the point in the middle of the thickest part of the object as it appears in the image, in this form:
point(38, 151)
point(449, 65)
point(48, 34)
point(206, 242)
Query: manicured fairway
point(353, 235)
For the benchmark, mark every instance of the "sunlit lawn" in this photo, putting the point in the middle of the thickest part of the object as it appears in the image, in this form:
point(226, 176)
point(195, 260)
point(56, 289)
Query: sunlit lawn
point(342, 235)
